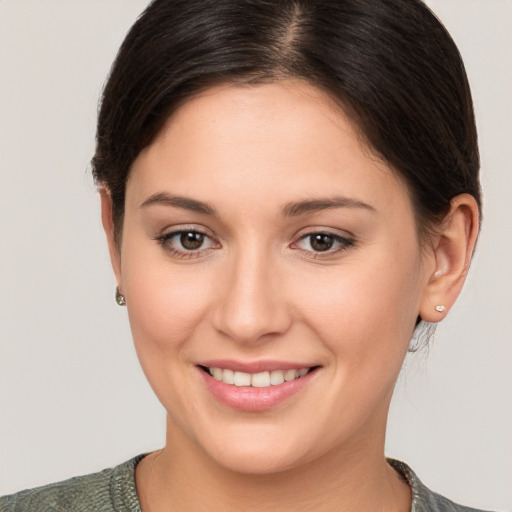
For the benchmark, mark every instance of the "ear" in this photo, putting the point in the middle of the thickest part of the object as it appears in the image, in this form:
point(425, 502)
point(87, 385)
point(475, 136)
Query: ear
point(108, 225)
point(452, 250)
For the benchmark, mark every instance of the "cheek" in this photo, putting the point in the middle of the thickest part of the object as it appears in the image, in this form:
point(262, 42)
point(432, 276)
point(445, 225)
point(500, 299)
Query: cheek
point(366, 309)
point(166, 302)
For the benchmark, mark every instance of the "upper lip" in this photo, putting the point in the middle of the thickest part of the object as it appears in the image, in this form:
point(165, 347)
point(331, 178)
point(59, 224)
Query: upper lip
point(254, 366)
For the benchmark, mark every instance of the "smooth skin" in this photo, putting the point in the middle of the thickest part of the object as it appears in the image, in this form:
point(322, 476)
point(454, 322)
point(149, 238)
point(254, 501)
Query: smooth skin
point(304, 249)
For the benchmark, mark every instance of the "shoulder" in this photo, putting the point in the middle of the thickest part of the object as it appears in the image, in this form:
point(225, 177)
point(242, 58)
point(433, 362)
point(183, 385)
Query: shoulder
point(423, 499)
point(110, 490)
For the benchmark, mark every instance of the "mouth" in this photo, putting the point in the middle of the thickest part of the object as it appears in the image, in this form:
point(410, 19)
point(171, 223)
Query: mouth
point(263, 379)
point(258, 390)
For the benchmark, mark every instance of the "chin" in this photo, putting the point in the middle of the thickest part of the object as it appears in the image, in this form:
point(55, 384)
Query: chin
point(257, 451)
point(257, 462)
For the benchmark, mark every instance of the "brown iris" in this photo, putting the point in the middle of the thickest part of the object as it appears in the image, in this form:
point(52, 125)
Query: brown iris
point(321, 242)
point(191, 240)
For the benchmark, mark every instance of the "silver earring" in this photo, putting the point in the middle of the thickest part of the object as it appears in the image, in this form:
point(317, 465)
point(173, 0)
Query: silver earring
point(440, 308)
point(120, 299)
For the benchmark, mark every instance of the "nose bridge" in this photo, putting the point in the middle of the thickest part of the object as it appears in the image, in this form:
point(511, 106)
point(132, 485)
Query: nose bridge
point(251, 305)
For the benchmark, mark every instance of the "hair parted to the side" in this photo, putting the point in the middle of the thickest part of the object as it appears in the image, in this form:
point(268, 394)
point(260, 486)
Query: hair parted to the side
point(390, 63)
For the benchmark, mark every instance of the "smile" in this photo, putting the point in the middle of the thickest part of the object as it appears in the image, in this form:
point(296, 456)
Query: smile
point(257, 380)
point(262, 386)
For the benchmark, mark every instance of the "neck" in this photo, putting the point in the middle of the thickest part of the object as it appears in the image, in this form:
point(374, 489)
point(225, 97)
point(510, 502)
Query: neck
point(183, 477)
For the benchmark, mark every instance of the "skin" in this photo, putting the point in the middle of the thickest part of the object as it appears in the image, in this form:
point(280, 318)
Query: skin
point(258, 290)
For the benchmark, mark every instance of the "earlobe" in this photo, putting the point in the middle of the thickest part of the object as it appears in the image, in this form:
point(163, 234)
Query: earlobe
point(453, 250)
point(109, 228)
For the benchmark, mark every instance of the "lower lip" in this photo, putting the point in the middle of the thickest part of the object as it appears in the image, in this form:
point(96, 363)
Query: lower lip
point(250, 399)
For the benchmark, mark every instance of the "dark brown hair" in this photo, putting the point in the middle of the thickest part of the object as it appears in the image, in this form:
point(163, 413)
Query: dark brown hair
point(390, 63)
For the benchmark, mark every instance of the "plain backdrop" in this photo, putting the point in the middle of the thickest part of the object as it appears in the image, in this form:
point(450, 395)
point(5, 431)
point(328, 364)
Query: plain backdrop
point(73, 399)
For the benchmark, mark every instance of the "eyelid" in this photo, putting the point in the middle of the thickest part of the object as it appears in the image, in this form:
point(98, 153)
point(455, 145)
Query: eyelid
point(174, 229)
point(178, 228)
point(314, 229)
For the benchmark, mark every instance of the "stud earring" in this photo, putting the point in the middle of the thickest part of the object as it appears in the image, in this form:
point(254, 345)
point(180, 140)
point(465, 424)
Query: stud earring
point(440, 308)
point(120, 298)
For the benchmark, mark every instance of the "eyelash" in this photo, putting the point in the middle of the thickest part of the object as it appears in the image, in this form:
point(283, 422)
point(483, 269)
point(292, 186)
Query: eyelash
point(165, 241)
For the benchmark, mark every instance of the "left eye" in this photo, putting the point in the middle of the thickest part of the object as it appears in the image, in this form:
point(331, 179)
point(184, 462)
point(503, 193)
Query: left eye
point(323, 242)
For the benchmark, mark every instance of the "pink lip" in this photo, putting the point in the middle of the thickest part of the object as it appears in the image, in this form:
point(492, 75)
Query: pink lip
point(249, 399)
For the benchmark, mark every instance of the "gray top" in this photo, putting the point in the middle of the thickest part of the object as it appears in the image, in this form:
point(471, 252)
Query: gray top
point(113, 490)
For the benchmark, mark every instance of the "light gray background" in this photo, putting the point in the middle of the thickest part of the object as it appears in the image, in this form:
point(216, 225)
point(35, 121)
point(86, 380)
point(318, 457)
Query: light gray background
point(72, 397)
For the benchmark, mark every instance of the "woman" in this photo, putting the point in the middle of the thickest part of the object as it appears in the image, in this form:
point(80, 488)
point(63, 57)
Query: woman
point(289, 192)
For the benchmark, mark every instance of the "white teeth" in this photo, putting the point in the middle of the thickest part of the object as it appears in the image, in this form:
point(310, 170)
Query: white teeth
point(217, 373)
point(290, 375)
point(276, 377)
point(257, 380)
point(260, 380)
point(242, 379)
point(228, 376)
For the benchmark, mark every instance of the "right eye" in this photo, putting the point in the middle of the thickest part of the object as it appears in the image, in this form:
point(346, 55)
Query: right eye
point(187, 243)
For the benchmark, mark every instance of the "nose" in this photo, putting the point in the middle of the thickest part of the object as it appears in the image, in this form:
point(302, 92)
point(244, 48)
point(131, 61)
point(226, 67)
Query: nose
point(252, 306)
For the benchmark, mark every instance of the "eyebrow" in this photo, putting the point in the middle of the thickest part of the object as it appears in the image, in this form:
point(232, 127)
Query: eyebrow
point(187, 203)
point(293, 209)
point(314, 205)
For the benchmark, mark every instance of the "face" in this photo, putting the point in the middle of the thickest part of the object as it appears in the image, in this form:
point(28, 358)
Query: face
point(263, 244)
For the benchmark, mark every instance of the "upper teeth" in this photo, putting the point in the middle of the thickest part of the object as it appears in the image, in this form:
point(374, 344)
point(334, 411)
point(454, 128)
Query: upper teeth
point(257, 380)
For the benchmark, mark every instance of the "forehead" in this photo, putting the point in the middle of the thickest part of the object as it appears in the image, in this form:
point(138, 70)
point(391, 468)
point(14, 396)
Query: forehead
point(280, 141)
